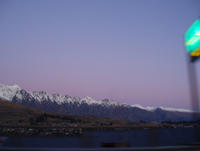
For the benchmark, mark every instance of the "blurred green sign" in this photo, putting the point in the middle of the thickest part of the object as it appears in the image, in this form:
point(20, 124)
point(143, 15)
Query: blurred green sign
point(192, 39)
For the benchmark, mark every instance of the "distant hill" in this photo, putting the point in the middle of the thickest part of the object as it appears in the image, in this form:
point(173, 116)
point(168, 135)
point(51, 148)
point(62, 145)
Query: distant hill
point(16, 115)
point(88, 106)
point(11, 113)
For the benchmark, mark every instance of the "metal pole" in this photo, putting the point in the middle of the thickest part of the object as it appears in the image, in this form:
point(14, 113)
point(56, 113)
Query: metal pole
point(193, 86)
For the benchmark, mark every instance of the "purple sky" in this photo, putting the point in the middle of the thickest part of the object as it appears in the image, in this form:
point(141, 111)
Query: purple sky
point(129, 51)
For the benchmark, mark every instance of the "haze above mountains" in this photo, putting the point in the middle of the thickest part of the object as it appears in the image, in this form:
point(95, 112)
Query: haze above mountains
point(88, 106)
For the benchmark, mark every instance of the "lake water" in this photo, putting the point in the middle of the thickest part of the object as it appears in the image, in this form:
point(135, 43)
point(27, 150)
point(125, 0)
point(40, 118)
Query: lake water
point(93, 139)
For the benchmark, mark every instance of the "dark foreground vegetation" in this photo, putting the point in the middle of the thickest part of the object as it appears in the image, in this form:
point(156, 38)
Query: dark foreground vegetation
point(17, 120)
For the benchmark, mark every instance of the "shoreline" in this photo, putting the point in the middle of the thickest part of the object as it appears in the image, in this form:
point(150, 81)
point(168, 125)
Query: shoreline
point(73, 131)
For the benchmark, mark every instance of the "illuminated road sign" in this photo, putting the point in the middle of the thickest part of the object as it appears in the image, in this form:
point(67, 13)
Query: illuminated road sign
point(192, 39)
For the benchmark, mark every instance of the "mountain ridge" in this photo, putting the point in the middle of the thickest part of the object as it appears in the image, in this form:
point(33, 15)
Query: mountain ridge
point(88, 106)
point(41, 95)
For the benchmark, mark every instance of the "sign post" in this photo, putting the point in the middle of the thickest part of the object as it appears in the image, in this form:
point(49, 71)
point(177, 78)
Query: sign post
point(192, 43)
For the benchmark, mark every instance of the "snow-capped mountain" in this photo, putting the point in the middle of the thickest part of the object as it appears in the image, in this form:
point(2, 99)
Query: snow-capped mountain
point(8, 92)
point(89, 106)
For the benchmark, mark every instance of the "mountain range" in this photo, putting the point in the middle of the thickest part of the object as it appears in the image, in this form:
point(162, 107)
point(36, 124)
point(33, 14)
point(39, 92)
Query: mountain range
point(88, 106)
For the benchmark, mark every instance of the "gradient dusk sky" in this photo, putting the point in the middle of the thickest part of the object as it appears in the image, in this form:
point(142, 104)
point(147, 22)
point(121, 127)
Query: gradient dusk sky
point(131, 51)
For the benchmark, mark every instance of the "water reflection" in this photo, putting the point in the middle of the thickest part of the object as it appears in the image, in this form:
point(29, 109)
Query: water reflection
point(93, 139)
